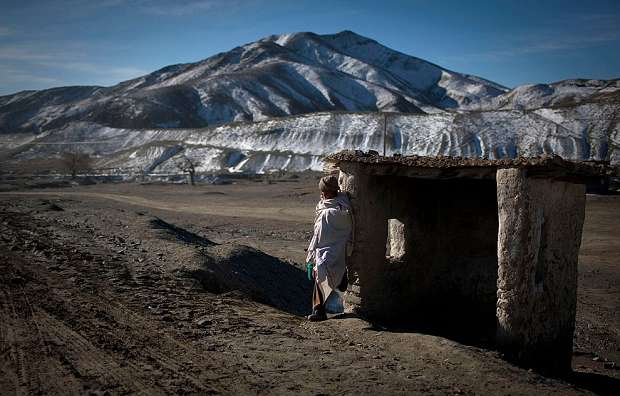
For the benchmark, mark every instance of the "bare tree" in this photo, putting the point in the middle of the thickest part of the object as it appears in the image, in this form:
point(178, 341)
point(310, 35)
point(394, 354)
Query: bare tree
point(188, 165)
point(75, 161)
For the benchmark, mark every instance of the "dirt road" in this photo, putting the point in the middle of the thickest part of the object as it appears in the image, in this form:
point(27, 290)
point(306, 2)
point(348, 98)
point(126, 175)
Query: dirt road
point(218, 208)
point(128, 289)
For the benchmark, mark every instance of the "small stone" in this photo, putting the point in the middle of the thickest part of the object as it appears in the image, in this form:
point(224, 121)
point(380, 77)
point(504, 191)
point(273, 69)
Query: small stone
point(203, 322)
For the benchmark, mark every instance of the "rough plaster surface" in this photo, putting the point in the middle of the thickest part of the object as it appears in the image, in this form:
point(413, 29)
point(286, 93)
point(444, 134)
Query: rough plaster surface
point(370, 238)
point(473, 254)
point(396, 239)
point(540, 224)
point(442, 242)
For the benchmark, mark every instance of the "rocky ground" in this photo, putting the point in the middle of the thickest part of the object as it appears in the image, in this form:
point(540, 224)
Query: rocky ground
point(128, 288)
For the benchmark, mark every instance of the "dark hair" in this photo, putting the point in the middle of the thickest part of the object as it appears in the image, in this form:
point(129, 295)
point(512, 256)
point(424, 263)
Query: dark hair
point(330, 194)
point(329, 184)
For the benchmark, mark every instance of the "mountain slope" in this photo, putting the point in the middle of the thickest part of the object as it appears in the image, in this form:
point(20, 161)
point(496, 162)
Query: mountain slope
point(298, 143)
point(276, 76)
point(284, 102)
point(555, 95)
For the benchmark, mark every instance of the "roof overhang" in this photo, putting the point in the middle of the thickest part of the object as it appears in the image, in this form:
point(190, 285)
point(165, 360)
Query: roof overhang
point(443, 167)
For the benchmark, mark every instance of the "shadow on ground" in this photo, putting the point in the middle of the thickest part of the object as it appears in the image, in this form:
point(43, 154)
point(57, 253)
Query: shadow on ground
point(596, 383)
point(477, 332)
point(237, 268)
point(261, 277)
point(180, 234)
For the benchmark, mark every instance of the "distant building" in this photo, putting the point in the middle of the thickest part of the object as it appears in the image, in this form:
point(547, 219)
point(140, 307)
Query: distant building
point(470, 246)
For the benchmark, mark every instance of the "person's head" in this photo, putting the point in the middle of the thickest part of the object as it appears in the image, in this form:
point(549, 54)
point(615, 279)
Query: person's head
point(328, 186)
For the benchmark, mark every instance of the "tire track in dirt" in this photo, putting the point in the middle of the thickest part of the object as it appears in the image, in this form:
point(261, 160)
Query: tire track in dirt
point(22, 336)
point(79, 355)
point(16, 318)
point(144, 321)
point(210, 208)
point(167, 352)
point(131, 327)
point(88, 361)
point(65, 310)
point(12, 374)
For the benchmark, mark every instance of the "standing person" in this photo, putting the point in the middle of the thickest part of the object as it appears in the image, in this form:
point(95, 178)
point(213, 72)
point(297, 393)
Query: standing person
point(328, 247)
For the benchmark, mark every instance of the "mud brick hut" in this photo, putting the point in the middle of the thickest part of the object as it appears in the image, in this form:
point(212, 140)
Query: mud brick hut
point(476, 247)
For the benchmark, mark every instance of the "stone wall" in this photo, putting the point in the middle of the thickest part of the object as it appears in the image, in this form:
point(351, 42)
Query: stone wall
point(443, 239)
point(370, 209)
point(451, 262)
point(540, 224)
point(480, 256)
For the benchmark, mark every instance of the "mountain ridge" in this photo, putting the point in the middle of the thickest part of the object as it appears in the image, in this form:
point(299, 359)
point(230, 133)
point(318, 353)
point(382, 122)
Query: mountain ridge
point(274, 76)
point(285, 101)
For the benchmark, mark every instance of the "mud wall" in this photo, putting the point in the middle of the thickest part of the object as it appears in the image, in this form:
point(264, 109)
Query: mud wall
point(442, 272)
point(370, 211)
point(540, 224)
point(449, 268)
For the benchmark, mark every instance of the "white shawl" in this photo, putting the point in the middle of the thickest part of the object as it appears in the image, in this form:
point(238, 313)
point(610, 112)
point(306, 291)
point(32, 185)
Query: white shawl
point(327, 249)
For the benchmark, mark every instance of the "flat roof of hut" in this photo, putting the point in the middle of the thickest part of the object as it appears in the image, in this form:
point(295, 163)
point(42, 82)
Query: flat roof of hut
point(442, 167)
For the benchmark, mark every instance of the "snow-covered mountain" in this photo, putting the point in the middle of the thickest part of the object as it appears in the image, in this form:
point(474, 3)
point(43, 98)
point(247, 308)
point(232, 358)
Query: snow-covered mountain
point(298, 143)
point(276, 76)
point(560, 94)
point(284, 102)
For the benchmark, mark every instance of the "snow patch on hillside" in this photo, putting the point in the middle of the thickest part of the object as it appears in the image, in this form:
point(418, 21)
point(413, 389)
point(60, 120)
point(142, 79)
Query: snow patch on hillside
point(299, 143)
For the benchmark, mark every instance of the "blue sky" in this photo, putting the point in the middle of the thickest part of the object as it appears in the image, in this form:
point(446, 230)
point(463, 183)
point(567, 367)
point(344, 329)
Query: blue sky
point(51, 43)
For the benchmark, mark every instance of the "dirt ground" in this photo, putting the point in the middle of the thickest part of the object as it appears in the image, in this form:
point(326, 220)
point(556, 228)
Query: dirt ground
point(160, 289)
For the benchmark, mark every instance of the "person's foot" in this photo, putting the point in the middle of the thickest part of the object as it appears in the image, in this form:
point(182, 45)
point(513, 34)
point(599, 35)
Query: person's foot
point(317, 317)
